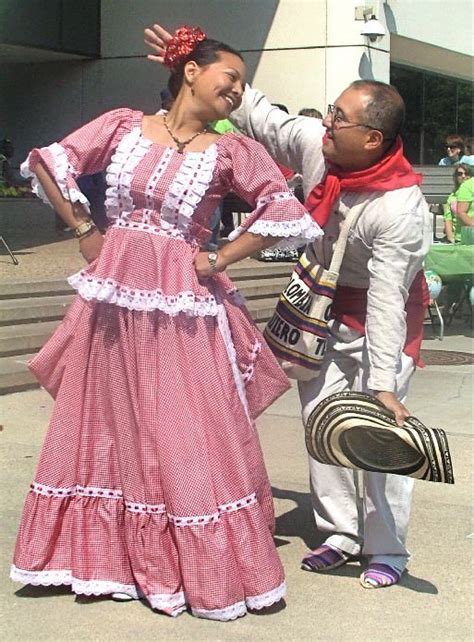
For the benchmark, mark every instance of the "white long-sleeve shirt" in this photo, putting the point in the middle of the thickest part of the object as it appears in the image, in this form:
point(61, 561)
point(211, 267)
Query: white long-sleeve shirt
point(386, 247)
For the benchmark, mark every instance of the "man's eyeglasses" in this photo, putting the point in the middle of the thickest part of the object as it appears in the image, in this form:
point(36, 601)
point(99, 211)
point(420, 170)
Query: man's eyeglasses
point(452, 147)
point(460, 174)
point(338, 117)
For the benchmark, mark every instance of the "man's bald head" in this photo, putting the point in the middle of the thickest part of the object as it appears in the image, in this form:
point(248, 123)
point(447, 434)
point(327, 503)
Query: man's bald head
point(385, 111)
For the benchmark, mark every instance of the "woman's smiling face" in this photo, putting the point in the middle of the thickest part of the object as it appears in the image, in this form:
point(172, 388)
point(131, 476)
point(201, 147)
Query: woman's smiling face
point(220, 85)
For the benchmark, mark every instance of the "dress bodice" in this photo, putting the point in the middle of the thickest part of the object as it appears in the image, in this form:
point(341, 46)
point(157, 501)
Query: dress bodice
point(159, 203)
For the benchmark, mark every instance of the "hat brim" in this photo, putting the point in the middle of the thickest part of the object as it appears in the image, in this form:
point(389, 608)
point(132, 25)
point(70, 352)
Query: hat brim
point(356, 430)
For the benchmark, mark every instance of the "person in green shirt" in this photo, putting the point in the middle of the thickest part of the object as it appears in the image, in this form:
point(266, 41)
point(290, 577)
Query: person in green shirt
point(465, 204)
point(224, 127)
point(452, 225)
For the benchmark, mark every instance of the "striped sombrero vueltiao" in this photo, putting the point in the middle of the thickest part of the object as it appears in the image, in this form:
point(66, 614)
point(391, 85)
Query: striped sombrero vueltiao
point(355, 430)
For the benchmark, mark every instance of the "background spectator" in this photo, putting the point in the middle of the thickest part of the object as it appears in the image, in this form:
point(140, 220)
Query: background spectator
point(452, 226)
point(311, 112)
point(454, 149)
point(465, 205)
point(9, 175)
point(166, 99)
point(469, 151)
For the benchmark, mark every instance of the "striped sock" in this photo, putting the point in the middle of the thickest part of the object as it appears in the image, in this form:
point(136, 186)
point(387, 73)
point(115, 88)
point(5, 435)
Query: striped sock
point(379, 576)
point(324, 558)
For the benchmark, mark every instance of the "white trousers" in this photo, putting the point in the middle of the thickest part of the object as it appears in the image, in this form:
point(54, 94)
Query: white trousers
point(359, 512)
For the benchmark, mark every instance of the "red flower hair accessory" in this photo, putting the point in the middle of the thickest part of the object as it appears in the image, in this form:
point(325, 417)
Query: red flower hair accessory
point(182, 43)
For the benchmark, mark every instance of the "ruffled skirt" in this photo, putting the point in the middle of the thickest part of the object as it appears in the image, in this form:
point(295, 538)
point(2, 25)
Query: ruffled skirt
point(151, 480)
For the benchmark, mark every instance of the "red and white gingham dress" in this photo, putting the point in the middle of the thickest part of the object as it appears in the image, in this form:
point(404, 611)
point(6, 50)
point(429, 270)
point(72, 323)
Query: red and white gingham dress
point(151, 480)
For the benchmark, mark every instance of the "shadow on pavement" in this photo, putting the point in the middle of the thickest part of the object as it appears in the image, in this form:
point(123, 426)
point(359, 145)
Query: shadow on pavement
point(297, 522)
point(42, 591)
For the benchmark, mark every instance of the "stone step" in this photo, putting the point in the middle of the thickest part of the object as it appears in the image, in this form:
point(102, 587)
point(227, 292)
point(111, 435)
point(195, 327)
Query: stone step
point(15, 376)
point(257, 270)
point(267, 288)
point(18, 343)
point(262, 309)
point(29, 289)
point(25, 338)
point(29, 310)
point(242, 272)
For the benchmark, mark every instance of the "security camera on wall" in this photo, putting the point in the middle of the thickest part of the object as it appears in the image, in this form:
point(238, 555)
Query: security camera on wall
point(373, 29)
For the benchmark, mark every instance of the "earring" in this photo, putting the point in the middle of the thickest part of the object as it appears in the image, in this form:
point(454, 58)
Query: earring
point(192, 90)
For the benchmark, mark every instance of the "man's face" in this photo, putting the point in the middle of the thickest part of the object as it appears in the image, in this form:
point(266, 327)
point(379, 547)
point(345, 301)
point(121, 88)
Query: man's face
point(346, 136)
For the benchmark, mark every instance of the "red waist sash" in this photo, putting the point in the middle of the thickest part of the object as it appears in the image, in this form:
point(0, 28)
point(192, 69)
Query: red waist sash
point(350, 307)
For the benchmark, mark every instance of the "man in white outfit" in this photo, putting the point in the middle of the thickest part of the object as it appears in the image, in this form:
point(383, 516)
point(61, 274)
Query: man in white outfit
point(369, 349)
point(354, 156)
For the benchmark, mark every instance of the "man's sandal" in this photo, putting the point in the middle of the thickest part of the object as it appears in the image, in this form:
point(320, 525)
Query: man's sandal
point(324, 558)
point(379, 576)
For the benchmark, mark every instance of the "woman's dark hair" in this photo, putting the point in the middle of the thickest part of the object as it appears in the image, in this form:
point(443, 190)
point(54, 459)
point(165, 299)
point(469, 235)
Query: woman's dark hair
point(455, 140)
point(469, 169)
point(205, 53)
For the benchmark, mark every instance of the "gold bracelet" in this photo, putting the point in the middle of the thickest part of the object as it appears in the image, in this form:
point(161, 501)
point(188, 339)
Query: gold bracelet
point(84, 228)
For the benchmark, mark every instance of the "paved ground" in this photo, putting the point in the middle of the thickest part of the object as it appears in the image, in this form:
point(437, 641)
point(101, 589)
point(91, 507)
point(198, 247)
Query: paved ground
point(433, 601)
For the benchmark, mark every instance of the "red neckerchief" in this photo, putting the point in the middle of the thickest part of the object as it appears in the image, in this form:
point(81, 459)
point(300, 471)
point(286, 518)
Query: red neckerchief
point(392, 172)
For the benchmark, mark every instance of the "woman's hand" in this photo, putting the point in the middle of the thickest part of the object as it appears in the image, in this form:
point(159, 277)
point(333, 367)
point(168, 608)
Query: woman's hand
point(157, 39)
point(204, 269)
point(91, 245)
point(391, 402)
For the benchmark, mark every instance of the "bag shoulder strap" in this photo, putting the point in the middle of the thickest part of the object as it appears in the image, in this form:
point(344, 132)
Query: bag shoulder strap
point(341, 242)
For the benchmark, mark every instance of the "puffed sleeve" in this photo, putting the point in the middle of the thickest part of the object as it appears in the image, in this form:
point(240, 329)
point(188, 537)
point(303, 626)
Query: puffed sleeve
point(86, 151)
point(277, 212)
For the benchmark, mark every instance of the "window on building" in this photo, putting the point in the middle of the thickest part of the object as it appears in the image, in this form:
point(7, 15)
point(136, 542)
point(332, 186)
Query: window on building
point(436, 107)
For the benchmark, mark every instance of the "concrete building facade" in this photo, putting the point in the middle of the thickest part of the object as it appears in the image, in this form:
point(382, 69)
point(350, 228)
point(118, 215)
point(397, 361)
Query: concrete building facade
point(63, 62)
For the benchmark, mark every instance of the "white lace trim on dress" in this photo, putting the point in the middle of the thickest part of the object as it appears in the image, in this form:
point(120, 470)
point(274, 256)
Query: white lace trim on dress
point(224, 328)
point(155, 177)
point(107, 290)
point(257, 602)
point(137, 507)
point(187, 189)
point(176, 602)
point(294, 233)
point(129, 152)
point(229, 613)
point(65, 577)
point(151, 509)
point(143, 226)
point(61, 170)
point(165, 601)
point(249, 371)
point(274, 197)
point(240, 608)
point(82, 491)
point(200, 520)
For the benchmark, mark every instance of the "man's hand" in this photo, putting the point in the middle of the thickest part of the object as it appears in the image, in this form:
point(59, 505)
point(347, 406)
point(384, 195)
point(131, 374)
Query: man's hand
point(157, 39)
point(91, 245)
point(391, 402)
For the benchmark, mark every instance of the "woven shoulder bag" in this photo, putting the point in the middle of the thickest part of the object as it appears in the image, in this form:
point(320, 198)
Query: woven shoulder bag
point(298, 331)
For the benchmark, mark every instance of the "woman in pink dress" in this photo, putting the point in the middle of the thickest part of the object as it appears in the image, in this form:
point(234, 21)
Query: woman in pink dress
point(151, 482)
